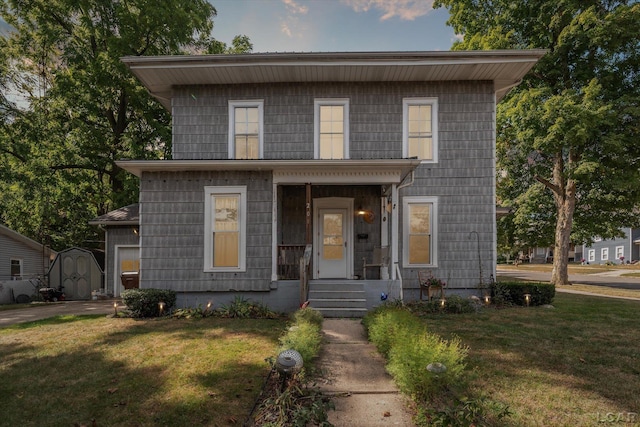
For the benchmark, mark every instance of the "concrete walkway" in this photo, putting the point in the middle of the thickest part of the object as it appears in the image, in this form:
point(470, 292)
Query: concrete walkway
point(353, 373)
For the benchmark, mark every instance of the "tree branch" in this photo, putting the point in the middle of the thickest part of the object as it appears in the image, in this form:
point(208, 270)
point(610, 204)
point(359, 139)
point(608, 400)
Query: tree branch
point(551, 186)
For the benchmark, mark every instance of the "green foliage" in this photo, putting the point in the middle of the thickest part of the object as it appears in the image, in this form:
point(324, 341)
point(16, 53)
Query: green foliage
point(304, 335)
point(566, 140)
point(242, 308)
point(466, 412)
point(146, 302)
point(294, 402)
point(453, 304)
point(83, 110)
point(513, 293)
point(410, 349)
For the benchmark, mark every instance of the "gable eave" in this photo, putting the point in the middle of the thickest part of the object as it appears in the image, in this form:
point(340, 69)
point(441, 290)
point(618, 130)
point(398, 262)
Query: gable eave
point(160, 74)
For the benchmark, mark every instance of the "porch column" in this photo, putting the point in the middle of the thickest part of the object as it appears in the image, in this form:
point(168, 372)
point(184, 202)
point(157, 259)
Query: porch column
point(274, 233)
point(394, 230)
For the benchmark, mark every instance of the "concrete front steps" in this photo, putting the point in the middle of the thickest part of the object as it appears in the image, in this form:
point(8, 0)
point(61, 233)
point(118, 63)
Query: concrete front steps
point(338, 298)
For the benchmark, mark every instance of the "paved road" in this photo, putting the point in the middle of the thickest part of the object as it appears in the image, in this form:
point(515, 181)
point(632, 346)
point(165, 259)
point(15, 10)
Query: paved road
point(608, 279)
point(29, 314)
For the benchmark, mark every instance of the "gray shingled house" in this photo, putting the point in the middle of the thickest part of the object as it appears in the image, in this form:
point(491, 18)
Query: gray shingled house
point(380, 158)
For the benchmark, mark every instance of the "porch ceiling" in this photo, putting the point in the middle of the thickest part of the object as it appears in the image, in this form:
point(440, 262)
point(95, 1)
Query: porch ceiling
point(379, 171)
point(161, 73)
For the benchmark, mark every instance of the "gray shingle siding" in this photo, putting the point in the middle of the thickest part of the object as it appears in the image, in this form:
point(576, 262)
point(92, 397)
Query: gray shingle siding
point(463, 179)
point(172, 233)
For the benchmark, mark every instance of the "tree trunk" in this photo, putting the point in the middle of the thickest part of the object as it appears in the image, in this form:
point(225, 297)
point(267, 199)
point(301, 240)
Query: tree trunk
point(565, 198)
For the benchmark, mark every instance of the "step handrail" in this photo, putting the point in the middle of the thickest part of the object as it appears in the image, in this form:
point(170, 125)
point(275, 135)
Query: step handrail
point(399, 279)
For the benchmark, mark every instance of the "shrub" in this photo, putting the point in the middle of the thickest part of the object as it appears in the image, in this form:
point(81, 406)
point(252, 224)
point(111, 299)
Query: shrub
point(505, 293)
point(146, 302)
point(403, 339)
point(304, 335)
point(309, 315)
point(453, 304)
point(242, 308)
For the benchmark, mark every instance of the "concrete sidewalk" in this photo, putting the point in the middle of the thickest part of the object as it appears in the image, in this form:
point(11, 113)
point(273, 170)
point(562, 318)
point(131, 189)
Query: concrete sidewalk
point(353, 373)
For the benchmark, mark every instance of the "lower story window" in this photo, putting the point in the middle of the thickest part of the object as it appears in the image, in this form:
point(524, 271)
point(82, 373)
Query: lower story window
point(16, 267)
point(225, 228)
point(604, 254)
point(419, 231)
point(591, 255)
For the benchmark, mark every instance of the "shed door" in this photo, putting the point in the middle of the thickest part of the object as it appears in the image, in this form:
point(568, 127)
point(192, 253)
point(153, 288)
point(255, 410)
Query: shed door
point(76, 275)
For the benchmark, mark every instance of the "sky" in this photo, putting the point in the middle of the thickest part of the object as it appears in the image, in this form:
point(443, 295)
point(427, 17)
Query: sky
point(334, 25)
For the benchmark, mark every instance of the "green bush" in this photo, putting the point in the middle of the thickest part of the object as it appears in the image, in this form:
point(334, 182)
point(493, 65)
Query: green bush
point(453, 304)
point(403, 339)
point(304, 335)
point(241, 308)
point(507, 293)
point(385, 324)
point(146, 302)
point(309, 315)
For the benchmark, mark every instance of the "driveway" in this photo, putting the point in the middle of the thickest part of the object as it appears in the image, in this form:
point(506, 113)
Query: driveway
point(38, 312)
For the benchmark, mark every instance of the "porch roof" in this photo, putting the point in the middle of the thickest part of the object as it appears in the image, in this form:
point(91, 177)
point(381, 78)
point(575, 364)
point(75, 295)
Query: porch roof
point(377, 171)
point(160, 74)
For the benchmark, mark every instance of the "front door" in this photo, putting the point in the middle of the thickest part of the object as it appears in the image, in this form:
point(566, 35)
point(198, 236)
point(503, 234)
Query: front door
point(333, 246)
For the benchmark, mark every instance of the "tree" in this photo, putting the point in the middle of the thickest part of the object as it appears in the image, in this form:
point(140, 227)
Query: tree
point(567, 137)
point(84, 110)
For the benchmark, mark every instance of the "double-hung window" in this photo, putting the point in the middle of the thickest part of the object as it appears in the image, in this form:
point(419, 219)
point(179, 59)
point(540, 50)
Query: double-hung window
point(420, 128)
point(245, 129)
point(331, 136)
point(619, 252)
point(604, 254)
point(591, 255)
point(419, 231)
point(225, 237)
point(16, 268)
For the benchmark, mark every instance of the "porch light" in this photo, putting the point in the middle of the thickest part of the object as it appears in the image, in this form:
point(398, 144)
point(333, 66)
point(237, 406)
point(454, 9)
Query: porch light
point(361, 211)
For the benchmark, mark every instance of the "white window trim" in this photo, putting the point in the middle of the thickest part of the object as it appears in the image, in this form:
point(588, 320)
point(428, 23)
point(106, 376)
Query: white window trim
point(619, 250)
point(406, 201)
point(604, 254)
point(591, 255)
point(317, 103)
point(208, 228)
point(406, 102)
point(21, 263)
point(233, 104)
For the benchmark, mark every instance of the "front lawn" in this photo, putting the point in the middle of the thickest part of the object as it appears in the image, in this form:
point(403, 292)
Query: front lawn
point(577, 364)
point(71, 370)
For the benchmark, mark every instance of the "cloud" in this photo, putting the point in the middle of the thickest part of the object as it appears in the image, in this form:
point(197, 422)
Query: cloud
point(406, 10)
point(295, 8)
point(290, 24)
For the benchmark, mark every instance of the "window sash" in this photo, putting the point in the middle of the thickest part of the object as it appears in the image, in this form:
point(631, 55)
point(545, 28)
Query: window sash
point(420, 128)
point(16, 267)
point(225, 229)
point(331, 129)
point(419, 241)
point(245, 129)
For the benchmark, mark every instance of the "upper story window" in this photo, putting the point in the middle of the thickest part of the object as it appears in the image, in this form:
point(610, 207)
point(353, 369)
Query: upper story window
point(16, 267)
point(419, 231)
point(420, 128)
point(245, 129)
point(225, 213)
point(331, 139)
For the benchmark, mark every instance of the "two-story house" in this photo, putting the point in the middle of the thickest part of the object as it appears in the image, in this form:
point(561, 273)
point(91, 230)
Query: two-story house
point(352, 155)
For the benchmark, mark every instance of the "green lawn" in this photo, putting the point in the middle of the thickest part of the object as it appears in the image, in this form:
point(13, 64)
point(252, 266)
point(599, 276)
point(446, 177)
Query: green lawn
point(71, 370)
point(577, 364)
